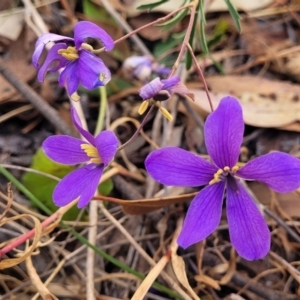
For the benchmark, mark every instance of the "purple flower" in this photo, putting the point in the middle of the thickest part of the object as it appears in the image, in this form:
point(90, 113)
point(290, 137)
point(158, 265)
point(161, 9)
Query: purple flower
point(80, 63)
point(223, 131)
point(142, 67)
point(161, 90)
point(83, 182)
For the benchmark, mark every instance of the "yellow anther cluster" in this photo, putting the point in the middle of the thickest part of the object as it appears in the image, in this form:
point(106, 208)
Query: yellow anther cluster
point(70, 53)
point(75, 97)
point(217, 177)
point(234, 169)
point(220, 172)
point(92, 152)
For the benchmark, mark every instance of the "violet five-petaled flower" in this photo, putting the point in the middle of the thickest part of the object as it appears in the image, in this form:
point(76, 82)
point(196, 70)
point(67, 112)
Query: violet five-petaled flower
point(83, 182)
point(223, 132)
point(80, 63)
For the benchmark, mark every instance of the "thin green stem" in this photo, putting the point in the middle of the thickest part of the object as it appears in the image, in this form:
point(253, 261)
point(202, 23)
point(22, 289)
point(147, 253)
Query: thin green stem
point(102, 110)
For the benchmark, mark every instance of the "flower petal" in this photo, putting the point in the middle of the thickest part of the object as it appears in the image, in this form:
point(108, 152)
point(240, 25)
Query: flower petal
point(249, 233)
point(82, 182)
point(182, 90)
point(169, 83)
point(85, 29)
point(175, 166)
point(280, 171)
point(69, 77)
point(53, 62)
point(203, 216)
point(223, 131)
point(65, 150)
point(42, 41)
point(106, 143)
point(135, 61)
point(76, 121)
point(150, 89)
point(161, 70)
point(92, 70)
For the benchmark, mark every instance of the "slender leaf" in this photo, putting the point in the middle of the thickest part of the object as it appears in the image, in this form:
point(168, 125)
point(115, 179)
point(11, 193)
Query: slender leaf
point(152, 5)
point(189, 60)
point(235, 15)
point(175, 20)
point(202, 27)
point(203, 38)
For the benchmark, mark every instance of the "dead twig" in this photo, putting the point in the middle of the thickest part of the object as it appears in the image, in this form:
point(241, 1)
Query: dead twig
point(40, 104)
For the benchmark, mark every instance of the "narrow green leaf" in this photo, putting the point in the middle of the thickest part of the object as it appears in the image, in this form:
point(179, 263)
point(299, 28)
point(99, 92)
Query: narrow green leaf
point(218, 33)
point(152, 5)
point(235, 15)
point(189, 60)
point(203, 38)
point(202, 27)
point(218, 65)
point(175, 20)
point(202, 12)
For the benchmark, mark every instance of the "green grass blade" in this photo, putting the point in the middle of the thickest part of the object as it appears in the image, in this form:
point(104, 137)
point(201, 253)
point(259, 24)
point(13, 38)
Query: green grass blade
point(235, 15)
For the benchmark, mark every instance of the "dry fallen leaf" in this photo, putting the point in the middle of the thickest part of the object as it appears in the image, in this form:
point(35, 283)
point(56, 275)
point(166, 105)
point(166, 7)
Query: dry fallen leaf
point(143, 206)
point(208, 281)
point(266, 103)
point(11, 23)
point(216, 5)
point(289, 202)
point(180, 272)
point(19, 63)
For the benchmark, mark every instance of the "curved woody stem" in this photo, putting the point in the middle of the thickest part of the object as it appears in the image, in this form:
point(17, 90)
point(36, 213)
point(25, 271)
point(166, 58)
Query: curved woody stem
point(186, 38)
point(139, 128)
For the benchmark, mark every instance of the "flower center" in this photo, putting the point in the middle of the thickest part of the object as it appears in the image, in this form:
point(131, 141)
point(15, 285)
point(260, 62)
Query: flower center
point(70, 53)
point(92, 152)
point(222, 173)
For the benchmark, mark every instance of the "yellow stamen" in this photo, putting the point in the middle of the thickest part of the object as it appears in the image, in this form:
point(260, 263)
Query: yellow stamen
point(87, 47)
point(143, 107)
point(218, 174)
point(75, 97)
point(216, 177)
point(96, 160)
point(70, 53)
point(92, 152)
point(234, 169)
point(166, 113)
